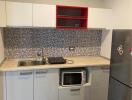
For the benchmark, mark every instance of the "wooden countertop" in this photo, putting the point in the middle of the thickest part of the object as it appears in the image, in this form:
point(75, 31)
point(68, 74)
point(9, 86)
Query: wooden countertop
point(81, 61)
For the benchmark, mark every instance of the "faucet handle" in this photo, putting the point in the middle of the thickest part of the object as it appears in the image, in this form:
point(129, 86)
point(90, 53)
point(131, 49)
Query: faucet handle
point(42, 52)
point(38, 54)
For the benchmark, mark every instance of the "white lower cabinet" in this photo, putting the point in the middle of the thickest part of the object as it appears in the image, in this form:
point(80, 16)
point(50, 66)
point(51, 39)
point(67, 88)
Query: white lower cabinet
point(32, 85)
point(19, 85)
point(87, 92)
point(71, 93)
point(46, 83)
point(100, 83)
point(75, 92)
point(43, 84)
point(95, 89)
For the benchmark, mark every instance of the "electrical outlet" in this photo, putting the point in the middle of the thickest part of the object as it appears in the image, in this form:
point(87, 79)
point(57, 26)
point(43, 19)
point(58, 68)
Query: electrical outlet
point(71, 48)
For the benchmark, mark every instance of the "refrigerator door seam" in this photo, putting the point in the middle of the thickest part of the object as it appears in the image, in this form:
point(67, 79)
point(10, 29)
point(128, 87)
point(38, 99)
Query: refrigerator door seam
point(121, 82)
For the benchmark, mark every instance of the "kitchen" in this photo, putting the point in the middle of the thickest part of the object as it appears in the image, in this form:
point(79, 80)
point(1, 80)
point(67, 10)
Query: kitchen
point(59, 50)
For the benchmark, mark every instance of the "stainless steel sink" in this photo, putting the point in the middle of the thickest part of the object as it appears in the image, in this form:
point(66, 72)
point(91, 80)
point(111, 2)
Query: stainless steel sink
point(30, 63)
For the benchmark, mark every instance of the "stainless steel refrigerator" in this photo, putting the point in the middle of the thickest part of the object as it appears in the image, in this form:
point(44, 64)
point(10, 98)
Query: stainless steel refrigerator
point(120, 87)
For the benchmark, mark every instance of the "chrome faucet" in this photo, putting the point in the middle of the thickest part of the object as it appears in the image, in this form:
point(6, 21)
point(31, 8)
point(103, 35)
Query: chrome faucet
point(40, 54)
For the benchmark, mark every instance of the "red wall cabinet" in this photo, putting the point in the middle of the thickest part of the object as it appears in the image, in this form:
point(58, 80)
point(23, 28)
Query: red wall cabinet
point(69, 17)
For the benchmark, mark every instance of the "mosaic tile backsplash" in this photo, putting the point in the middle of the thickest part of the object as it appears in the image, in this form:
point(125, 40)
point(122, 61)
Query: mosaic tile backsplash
point(27, 42)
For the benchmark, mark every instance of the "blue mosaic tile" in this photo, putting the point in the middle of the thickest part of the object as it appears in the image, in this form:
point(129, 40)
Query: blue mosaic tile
point(26, 42)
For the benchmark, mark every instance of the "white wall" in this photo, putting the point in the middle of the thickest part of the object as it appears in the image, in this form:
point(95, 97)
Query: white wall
point(106, 43)
point(122, 19)
point(122, 13)
point(1, 47)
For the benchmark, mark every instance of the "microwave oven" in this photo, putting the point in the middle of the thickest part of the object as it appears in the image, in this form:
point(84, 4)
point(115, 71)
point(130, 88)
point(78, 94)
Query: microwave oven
point(73, 77)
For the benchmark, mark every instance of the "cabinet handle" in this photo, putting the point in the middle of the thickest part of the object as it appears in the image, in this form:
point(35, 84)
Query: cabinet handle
point(26, 73)
point(18, 26)
point(41, 72)
point(105, 68)
point(72, 90)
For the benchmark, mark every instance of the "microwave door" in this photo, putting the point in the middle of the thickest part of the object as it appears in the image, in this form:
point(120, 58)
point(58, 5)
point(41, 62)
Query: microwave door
point(70, 79)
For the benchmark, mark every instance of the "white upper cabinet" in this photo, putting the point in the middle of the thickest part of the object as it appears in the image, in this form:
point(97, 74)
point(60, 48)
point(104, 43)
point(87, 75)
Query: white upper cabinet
point(2, 14)
point(19, 14)
point(100, 18)
point(44, 15)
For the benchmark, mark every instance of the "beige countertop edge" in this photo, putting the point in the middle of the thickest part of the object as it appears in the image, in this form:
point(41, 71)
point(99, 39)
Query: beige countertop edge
point(11, 65)
point(104, 66)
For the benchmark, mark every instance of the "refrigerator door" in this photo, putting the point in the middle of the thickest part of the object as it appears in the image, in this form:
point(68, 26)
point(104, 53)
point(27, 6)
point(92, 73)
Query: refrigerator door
point(118, 91)
point(121, 57)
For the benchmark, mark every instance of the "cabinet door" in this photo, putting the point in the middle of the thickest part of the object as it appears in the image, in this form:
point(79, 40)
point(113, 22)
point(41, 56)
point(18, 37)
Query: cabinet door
point(44, 15)
point(71, 93)
point(19, 85)
point(19, 14)
point(2, 14)
point(99, 84)
point(46, 83)
point(99, 18)
point(87, 88)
